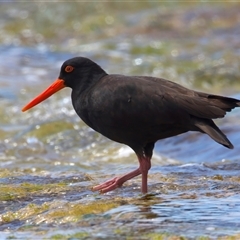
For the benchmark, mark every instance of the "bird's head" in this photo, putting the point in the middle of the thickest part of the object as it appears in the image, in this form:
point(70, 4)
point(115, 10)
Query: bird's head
point(74, 72)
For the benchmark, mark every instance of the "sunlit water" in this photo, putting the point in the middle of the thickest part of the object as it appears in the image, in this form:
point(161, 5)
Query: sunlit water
point(194, 181)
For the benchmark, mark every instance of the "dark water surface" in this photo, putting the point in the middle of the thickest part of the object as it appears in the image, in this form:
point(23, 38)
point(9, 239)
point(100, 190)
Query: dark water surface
point(49, 159)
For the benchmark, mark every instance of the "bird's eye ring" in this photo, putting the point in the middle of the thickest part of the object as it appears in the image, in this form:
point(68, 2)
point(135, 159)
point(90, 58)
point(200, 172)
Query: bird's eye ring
point(69, 68)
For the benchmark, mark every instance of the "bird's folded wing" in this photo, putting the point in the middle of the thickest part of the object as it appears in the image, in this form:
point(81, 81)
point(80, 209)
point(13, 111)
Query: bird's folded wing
point(204, 105)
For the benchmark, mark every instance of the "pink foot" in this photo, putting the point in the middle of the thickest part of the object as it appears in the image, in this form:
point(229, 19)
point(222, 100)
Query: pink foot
point(116, 182)
point(108, 185)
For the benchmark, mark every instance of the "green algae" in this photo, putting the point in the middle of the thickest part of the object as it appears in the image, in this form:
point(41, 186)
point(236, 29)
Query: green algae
point(234, 237)
point(78, 235)
point(144, 236)
point(119, 233)
point(11, 192)
point(218, 177)
point(59, 211)
point(24, 213)
point(74, 212)
point(7, 173)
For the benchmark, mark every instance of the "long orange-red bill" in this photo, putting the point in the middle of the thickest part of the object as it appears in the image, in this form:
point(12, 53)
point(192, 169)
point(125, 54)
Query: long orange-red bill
point(53, 88)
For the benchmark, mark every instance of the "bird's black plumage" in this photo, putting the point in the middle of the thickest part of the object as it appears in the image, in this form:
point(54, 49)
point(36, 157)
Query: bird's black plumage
point(140, 110)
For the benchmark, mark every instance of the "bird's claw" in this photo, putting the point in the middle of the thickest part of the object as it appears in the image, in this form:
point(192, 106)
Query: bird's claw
point(108, 185)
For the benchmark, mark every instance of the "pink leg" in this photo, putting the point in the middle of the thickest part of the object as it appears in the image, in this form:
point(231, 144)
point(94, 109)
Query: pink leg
point(145, 165)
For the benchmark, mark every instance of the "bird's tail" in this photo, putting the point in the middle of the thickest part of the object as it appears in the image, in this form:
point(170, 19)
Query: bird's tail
point(208, 126)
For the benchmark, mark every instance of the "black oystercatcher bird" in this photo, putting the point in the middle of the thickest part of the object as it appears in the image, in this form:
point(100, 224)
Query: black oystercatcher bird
point(137, 110)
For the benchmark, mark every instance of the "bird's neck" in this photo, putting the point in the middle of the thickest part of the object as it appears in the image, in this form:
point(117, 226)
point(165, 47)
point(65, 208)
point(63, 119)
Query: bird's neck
point(88, 79)
point(81, 93)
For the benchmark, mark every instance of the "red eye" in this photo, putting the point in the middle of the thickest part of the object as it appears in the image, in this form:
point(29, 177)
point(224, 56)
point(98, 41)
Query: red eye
point(69, 68)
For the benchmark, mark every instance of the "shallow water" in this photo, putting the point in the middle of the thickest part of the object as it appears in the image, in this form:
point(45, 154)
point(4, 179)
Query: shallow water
point(50, 159)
